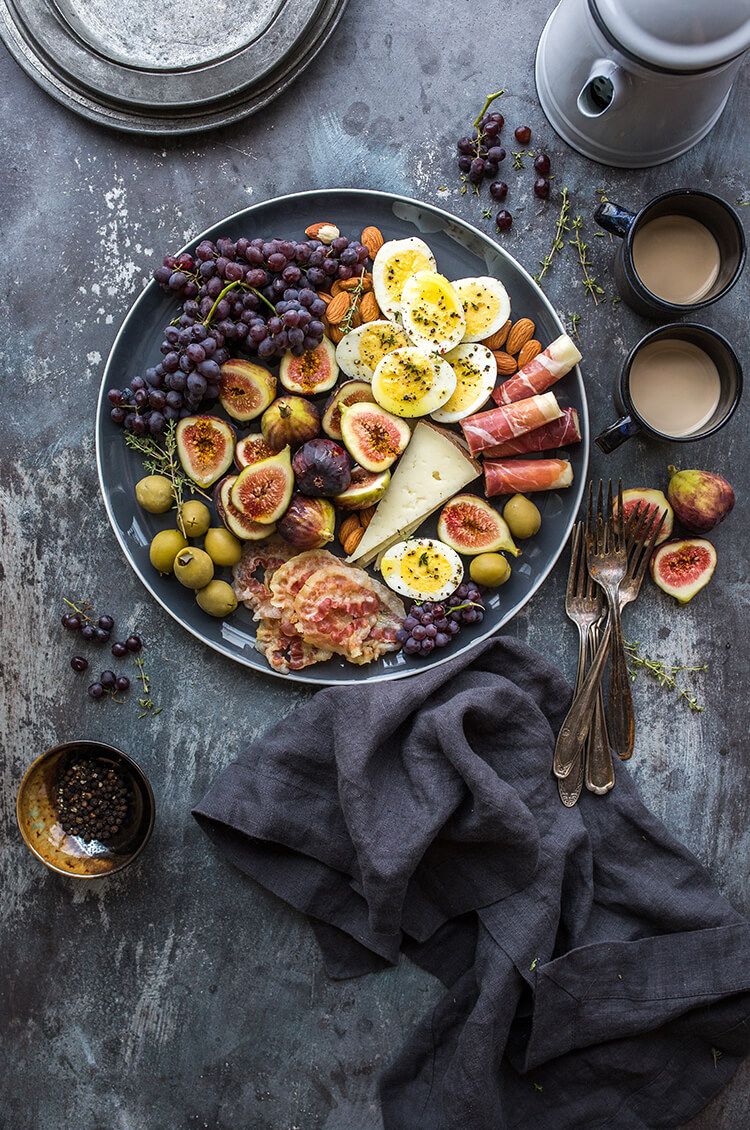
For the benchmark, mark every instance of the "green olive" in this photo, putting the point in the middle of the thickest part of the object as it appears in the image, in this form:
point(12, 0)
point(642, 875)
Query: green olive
point(193, 568)
point(164, 548)
point(522, 516)
point(222, 547)
point(196, 518)
point(217, 598)
point(489, 569)
point(154, 493)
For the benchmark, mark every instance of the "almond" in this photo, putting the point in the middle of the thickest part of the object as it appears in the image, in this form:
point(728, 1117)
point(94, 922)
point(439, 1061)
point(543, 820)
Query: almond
point(366, 282)
point(325, 232)
point(351, 543)
point(356, 319)
point(520, 332)
point(348, 284)
point(324, 295)
point(348, 526)
point(336, 288)
point(337, 307)
point(335, 334)
point(497, 339)
point(372, 239)
point(367, 515)
point(368, 308)
point(506, 365)
point(528, 352)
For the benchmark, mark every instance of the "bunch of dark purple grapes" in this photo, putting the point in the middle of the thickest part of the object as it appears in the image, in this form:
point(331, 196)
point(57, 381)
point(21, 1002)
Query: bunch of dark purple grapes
point(429, 625)
point(254, 297)
point(479, 156)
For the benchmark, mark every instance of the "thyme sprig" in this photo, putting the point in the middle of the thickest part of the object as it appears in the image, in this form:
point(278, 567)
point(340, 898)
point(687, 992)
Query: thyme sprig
point(664, 673)
point(558, 243)
point(573, 321)
point(518, 159)
point(354, 296)
point(162, 460)
point(590, 285)
point(145, 701)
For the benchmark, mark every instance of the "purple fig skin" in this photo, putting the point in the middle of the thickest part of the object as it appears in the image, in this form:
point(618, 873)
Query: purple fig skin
point(308, 522)
point(700, 499)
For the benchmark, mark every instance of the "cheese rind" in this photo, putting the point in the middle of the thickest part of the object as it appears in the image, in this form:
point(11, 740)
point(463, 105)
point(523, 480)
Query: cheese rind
point(434, 467)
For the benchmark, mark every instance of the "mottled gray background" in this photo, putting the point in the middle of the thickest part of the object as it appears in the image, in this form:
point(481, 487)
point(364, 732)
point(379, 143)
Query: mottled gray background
point(179, 995)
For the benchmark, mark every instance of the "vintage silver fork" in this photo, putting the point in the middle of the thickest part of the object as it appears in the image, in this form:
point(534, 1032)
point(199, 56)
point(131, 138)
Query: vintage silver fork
point(583, 605)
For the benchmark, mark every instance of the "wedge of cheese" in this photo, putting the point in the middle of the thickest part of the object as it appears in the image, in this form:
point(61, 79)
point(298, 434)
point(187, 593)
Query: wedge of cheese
point(434, 467)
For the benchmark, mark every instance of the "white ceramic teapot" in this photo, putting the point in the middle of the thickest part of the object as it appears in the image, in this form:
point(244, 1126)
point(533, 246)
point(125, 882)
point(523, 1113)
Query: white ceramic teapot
point(634, 83)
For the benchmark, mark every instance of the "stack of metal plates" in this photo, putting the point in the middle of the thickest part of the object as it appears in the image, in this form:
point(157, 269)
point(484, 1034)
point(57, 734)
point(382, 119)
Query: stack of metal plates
point(166, 67)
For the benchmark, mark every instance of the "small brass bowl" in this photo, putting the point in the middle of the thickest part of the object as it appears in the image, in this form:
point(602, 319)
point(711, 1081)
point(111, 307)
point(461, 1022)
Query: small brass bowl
point(37, 814)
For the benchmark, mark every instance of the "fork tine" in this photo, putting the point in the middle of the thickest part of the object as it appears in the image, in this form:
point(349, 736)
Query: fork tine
point(600, 544)
point(633, 520)
point(620, 518)
point(646, 549)
point(609, 534)
point(590, 533)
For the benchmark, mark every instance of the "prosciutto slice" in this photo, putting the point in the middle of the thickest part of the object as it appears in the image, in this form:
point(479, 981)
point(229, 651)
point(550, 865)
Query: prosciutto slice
point(488, 429)
point(523, 476)
point(559, 433)
point(541, 372)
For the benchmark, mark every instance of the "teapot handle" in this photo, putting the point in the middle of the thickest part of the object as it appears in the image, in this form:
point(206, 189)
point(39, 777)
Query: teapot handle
point(614, 219)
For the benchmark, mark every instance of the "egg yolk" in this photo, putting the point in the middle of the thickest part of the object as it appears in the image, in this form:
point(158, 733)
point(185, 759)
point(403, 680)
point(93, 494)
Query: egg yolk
point(424, 570)
point(480, 308)
point(375, 343)
point(400, 268)
point(407, 376)
point(468, 384)
point(435, 312)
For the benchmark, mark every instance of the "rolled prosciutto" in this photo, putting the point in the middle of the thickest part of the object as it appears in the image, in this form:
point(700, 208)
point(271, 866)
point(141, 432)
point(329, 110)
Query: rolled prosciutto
point(523, 476)
point(558, 433)
point(488, 429)
point(541, 372)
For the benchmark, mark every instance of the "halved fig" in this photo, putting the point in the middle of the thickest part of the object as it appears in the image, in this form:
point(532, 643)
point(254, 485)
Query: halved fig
point(350, 392)
point(205, 446)
point(683, 567)
point(649, 500)
point(252, 449)
point(470, 525)
point(308, 522)
point(365, 489)
point(245, 389)
point(290, 420)
point(373, 436)
point(233, 519)
point(312, 372)
point(263, 490)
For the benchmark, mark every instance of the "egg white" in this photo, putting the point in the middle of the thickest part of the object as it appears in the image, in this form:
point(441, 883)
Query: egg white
point(359, 351)
point(408, 383)
point(486, 306)
point(422, 569)
point(395, 262)
point(432, 312)
point(476, 372)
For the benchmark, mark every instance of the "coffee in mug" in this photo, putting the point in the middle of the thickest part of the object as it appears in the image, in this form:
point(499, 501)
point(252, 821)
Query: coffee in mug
point(676, 258)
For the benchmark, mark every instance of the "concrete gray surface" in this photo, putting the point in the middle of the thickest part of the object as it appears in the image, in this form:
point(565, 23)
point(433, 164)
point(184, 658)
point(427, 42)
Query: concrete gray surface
point(178, 995)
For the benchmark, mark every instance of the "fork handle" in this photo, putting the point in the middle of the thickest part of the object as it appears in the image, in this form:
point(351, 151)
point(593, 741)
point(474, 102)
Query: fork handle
point(578, 719)
point(600, 773)
point(620, 704)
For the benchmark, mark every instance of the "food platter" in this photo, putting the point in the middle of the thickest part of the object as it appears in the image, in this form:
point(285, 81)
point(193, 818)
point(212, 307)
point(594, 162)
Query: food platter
point(461, 250)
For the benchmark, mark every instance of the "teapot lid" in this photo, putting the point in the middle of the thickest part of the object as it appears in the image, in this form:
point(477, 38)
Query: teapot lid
point(678, 35)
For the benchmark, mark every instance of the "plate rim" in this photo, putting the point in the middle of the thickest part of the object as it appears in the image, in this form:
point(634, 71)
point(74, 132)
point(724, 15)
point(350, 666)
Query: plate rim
point(387, 675)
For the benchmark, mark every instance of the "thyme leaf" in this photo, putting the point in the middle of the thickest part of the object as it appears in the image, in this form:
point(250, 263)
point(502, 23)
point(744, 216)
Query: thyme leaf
point(663, 673)
point(558, 243)
point(590, 285)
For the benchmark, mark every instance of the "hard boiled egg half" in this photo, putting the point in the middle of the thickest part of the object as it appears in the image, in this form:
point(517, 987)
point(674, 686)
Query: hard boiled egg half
point(359, 352)
point(408, 383)
point(395, 262)
point(485, 304)
point(422, 569)
point(476, 371)
point(432, 312)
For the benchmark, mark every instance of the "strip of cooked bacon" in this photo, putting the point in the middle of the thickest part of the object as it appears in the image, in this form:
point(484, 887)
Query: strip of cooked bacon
point(284, 652)
point(336, 609)
point(286, 581)
point(253, 592)
point(558, 433)
point(539, 373)
point(488, 429)
point(522, 476)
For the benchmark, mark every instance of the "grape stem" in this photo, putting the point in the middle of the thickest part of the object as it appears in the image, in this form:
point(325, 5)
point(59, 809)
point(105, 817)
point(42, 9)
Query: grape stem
point(227, 288)
point(490, 99)
point(263, 298)
point(80, 610)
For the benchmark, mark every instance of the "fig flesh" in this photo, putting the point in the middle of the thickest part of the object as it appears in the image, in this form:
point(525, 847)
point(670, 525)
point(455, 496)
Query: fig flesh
point(683, 567)
point(308, 522)
point(251, 449)
point(245, 389)
point(470, 525)
point(374, 437)
point(233, 519)
point(205, 446)
point(262, 491)
point(700, 499)
point(321, 468)
point(365, 489)
point(290, 420)
point(350, 392)
point(312, 372)
point(648, 503)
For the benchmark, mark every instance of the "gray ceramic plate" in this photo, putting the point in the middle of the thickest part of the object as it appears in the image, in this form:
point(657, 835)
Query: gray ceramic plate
point(165, 68)
point(461, 250)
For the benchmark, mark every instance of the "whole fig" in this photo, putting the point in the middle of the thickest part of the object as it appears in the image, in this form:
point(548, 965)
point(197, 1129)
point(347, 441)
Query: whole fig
point(321, 468)
point(700, 499)
point(308, 522)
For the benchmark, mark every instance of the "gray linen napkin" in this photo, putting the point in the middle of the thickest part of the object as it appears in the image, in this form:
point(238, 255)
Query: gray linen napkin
point(593, 970)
